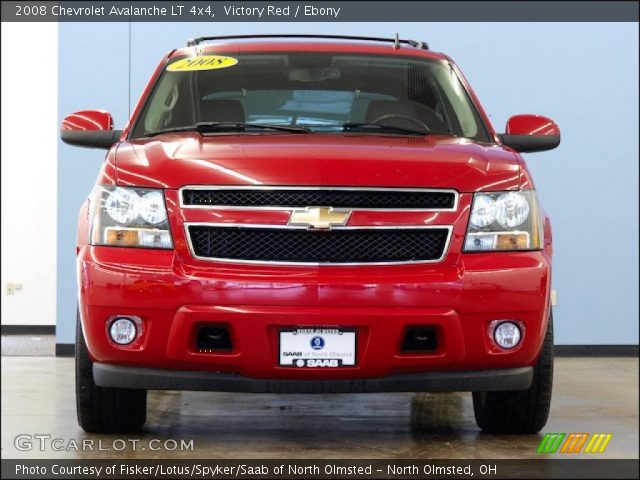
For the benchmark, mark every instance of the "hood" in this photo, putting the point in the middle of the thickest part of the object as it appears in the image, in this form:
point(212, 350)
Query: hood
point(174, 160)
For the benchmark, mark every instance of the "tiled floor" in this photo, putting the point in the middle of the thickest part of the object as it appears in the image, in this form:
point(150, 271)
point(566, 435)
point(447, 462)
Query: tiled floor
point(590, 395)
point(28, 345)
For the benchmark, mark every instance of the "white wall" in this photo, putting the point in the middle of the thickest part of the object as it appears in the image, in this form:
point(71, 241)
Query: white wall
point(29, 171)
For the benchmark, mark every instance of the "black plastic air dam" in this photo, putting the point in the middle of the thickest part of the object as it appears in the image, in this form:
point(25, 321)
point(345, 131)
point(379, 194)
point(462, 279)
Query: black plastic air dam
point(119, 376)
point(213, 338)
point(420, 339)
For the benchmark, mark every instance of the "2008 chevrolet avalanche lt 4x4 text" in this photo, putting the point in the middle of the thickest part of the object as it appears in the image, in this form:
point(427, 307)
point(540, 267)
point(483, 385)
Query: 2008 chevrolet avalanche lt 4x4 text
point(315, 215)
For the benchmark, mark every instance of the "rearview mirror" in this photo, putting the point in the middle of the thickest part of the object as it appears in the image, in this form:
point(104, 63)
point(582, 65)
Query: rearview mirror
point(531, 133)
point(89, 128)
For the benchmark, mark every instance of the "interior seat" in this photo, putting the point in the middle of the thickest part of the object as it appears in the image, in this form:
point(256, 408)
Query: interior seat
point(222, 111)
point(405, 108)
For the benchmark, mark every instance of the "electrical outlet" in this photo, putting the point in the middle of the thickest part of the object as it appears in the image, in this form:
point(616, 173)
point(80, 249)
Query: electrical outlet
point(12, 288)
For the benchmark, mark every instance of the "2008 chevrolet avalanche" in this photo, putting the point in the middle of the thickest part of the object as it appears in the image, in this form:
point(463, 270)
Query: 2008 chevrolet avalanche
point(315, 215)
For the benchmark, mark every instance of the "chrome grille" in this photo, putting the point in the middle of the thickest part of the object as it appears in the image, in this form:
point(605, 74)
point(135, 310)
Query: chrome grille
point(344, 245)
point(336, 197)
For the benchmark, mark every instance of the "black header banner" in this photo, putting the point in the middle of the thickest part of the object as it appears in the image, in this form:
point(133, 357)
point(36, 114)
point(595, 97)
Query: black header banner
point(321, 11)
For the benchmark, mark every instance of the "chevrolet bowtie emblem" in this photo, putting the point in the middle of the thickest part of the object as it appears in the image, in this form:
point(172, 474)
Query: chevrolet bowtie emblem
point(321, 218)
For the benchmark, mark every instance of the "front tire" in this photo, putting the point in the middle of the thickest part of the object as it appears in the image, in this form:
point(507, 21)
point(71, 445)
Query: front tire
point(102, 409)
point(524, 411)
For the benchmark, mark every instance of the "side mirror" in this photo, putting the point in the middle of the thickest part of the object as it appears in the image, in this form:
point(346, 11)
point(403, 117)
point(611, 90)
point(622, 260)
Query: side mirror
point(531, 133)
point(89, 128)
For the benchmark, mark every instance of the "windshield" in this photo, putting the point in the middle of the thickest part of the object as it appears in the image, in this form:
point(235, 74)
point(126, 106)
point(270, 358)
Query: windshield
point(322, 92)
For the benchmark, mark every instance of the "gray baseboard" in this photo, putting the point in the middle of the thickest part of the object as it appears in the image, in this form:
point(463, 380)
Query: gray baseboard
point(67, 350)
point(596, 350)
point(28, 330)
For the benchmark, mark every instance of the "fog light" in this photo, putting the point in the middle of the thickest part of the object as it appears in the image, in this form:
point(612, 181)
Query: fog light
point(507, 335)
point(123, 330)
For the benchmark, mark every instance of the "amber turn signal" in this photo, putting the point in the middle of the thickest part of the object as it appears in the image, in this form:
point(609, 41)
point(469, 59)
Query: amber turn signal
point(512, 241)
point(121, 236)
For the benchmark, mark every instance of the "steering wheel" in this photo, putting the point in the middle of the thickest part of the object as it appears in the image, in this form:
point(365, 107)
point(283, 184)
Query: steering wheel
point(413, 120)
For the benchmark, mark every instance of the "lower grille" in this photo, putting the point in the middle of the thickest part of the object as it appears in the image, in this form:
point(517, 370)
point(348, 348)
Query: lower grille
point(336, 246)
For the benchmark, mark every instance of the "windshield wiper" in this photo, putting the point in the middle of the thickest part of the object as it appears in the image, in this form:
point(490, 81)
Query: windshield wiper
point(233, 126)
point(381, 128)
point(204, 127)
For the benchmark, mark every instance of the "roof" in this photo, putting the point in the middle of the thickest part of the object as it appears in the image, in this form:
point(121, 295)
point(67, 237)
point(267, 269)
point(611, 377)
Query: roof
point(306, 43)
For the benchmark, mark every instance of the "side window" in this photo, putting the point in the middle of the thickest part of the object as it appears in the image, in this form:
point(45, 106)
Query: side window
point(455, 93)
point(161, 108)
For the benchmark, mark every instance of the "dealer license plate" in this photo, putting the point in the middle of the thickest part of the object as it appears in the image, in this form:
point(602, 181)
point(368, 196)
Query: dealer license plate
point(317, 348)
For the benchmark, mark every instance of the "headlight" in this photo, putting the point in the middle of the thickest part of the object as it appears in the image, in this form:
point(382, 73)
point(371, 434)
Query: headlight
point(504, 221)
point(484, 211)
point(129, 217)
point(512, 209)
point(122, 205)
point(152, 208)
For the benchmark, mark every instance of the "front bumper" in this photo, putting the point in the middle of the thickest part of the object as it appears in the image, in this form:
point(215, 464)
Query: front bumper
point(459, 298)
point(152, 379)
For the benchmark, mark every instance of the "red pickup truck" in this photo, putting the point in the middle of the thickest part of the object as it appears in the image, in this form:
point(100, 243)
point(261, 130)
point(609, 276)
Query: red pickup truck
point(312, 214)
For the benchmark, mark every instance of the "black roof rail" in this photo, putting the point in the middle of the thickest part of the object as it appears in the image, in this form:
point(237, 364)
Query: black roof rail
point(395, 41)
